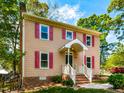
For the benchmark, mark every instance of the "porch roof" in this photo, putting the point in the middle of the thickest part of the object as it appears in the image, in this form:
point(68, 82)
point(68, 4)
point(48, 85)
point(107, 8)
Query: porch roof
point(75, 45)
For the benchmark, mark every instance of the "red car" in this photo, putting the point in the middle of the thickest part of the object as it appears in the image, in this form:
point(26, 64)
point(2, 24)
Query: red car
point(117, 70)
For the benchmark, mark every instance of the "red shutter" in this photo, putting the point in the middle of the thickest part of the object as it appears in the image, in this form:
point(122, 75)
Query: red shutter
point(37, 35)
point(74, 35)
point(51, 32)
point(93, 41)
point(37, 59)
point(50, 60)
point(63, 33)
point(85, 60)
point(93, 62)
point(84, 39)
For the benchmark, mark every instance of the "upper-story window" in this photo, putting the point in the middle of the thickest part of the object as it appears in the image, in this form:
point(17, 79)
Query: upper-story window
point(69, 35)
point(88, 40)
point(44, 60)
point(44, 29)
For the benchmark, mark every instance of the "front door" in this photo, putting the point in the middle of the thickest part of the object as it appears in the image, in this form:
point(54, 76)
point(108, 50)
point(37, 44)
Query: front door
point(70, 59)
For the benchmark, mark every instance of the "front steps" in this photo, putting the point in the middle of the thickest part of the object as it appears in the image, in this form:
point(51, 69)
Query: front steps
point(81, 79)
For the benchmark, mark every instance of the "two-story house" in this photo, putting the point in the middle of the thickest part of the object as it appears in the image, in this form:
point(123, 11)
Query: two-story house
point(55, 48)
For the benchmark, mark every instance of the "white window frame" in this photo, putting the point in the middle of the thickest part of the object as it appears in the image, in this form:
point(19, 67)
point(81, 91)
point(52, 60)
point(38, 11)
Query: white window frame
point(66, 35)
point(90, 61)
point(41, 31)
point(47, 60)
point(90, 41)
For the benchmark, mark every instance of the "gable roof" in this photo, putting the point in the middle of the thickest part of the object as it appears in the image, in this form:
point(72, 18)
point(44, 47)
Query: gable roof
point(59, 24)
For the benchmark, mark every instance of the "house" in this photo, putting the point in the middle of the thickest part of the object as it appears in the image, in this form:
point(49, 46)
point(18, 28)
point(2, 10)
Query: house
point(54, 48)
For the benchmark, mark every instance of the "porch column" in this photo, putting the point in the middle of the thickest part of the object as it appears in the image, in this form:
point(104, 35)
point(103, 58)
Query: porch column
point(68, 55)
point(84, 53)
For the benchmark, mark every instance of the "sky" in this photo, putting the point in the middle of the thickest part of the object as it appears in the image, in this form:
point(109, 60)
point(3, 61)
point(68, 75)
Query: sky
point(71, 10)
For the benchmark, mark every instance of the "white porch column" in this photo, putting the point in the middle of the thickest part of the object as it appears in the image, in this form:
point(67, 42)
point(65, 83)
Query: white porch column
point(68, 54)
point(84, 53)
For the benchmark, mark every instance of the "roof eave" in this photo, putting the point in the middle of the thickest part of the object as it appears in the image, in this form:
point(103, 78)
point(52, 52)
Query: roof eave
point(59, 24)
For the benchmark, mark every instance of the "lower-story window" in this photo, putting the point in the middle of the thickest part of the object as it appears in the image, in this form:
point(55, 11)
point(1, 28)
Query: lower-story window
point(44, 60)
point(89, 62)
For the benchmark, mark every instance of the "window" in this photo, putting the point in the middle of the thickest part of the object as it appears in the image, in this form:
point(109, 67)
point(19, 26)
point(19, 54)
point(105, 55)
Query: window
point(69, 35)
point(44, 32)
point(44, 60)
point(88, 41)
point(89, 62)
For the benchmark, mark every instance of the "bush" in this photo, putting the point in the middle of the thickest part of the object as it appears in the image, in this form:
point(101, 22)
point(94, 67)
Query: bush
point(56, 79)
point(117, 80)
point(68, 82)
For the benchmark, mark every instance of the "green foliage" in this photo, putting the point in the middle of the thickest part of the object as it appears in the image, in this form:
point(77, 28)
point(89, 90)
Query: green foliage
point(116, 5)
point(100, 23)
point(9, 29)
point(117, 58)
point(71, 90)
point(56, 79)
point(68, 82)
point(36, 7)
point(84, 90)
point(117, 80)
point(118, 22)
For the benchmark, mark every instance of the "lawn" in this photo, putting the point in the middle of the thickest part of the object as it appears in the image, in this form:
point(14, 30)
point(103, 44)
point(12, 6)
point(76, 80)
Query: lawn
point(71, 90)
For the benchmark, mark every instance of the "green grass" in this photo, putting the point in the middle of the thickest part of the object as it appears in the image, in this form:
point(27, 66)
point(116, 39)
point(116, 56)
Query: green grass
point(71, 90)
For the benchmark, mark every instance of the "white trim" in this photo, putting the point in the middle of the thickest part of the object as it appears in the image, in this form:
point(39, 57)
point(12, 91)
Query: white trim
point(40, 31)
point(90, 61)
point(66, 35)
point(47, 60)
point(23, 48)
point(68, 45)
point(90, 41)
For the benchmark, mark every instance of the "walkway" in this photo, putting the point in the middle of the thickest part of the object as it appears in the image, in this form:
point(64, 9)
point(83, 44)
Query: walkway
point(96, 86)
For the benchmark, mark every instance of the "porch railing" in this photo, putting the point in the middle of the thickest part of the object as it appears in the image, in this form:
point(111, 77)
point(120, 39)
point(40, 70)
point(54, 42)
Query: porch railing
point(87, 72)
point(69, 70)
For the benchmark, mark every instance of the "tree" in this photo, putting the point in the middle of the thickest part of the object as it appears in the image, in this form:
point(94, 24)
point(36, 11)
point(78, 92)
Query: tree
point(101, 24)
point(117, 57)
point(117, 6)
point(9, 29)
point(36, 7)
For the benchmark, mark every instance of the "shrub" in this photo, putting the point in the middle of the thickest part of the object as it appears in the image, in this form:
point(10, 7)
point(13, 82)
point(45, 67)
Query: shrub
point(56, 79)
point(68, 82)
point(117, 80)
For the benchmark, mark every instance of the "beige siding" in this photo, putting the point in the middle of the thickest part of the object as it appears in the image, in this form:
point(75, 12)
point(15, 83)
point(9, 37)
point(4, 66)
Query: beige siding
point(31, 45)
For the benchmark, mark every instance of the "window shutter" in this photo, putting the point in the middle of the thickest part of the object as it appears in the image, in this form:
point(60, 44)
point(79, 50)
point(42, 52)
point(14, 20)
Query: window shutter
point(63, 33)
point(51, 32)
point(37, 31)
point(92, 62)
point(85, 60)
point(37, 59)
point(50, 60)
point(74, 35)
point(84, 39)
point(93, 41)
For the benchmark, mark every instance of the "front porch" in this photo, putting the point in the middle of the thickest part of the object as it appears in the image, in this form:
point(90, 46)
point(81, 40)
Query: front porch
point(72, 68)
